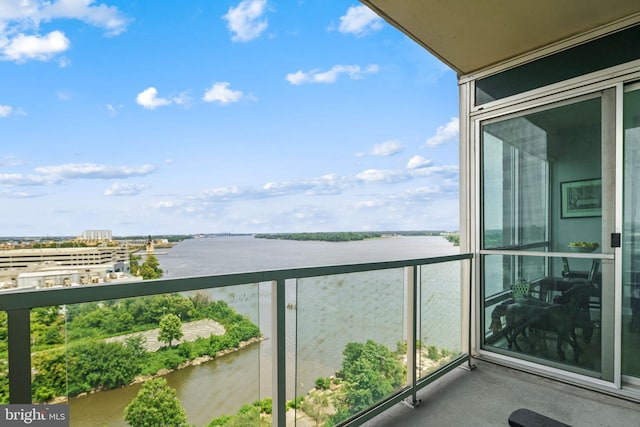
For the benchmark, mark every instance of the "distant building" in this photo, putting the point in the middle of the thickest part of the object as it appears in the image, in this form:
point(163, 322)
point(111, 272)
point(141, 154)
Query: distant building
point(85, 275)
point(108, 259)
point(150, 246)
point(97, 235)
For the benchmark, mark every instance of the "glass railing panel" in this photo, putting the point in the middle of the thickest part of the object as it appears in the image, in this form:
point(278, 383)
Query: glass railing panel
point(350, 343)
point(200, 351)
point(545, 309)
point(440, 328)
point(48, 335)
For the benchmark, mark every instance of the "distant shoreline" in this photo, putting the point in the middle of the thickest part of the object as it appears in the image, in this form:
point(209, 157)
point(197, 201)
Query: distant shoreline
point(346, 236)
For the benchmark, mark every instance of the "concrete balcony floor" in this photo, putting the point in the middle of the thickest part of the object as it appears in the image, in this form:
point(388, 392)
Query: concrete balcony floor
point(487, 396)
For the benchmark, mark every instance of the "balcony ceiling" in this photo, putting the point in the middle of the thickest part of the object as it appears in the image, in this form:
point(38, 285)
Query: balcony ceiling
point(471, 35)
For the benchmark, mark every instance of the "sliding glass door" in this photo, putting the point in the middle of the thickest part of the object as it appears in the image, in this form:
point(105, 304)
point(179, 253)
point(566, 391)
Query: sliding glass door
point(542, 235)
point(631, 235)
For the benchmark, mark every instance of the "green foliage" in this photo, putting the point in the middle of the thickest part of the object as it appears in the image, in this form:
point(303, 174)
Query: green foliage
point(4, 383)
point(453, 238)
point(432, 352)
point(3, 331)
point(326, 237)
point(248, 415)
point(170, 329)
point(47, 326)
point(315, 406)
point(370, 372)
point(165, 358)
point(156, 404)
point(134, 264)
point(135, 344)
point(150, 268)
point(50, 379)
point(295, 403)
point(266, 405)
point(126, 316)
point(323, 383)
point(95, 364)
point(101, 365)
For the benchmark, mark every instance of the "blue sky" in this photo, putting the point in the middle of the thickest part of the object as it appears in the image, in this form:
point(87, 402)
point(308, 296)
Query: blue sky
point(147, 117)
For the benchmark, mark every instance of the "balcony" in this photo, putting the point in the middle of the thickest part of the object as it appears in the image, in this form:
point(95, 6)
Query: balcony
point(415, 312)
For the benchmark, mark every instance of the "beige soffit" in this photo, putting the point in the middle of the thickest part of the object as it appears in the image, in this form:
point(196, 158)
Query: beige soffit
point(471, 35)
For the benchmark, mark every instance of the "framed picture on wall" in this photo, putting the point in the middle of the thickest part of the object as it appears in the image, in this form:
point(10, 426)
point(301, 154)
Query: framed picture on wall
point(581, 199)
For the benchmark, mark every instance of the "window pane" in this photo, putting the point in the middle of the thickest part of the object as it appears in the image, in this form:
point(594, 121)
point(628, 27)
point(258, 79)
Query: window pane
point(631, 254)
point(546, 311)
point(598, 54)
point(515, 184)
point(528, 162)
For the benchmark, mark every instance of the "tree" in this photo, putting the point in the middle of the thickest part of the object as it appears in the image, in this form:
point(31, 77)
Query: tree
point(150, 268)
point(156, 404)
point(170, 328)
point(371, 372)
point(134, 265)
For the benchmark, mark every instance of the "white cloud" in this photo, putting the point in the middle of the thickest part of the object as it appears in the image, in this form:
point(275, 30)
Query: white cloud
point(360, 20)
point(123, 189)
point(8, 160)
point(220, 92)
point(246, 20)
point(417, 162)
point(22, 48)
point(386, 148)
point(8, 110)
point(113, 109)
point(315, 76)
point(168, 204)
point(182, 99)
point(378, 175)
point(20, 22)
point(420, 193)
point(368, 204)
point(5, 110)
point(10, 194)
point(94, 171)
point(445, 133)
point(25, 13)
point(149, 99)
point(24, 180)
point(107, 17)
point(64, 62)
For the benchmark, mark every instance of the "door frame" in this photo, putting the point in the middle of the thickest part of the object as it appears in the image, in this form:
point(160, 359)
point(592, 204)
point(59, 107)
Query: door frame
point(612, 87)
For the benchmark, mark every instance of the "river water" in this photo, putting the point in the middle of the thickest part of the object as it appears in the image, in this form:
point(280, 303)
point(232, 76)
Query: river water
point(326, 313)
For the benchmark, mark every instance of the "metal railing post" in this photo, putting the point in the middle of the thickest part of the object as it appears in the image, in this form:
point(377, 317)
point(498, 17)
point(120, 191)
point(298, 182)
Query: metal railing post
point(470, 365)
point(412, 338)
point(278, 355)
point(19, 338)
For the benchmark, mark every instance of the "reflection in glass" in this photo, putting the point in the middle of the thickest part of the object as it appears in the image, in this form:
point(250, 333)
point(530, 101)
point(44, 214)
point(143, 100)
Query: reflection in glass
point(551, 318)
point(525, 161)
point(631, 236)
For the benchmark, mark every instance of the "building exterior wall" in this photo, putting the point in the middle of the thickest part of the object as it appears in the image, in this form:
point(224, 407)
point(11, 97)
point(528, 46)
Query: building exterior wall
point(614, 359)
point(24, 259)
point(97, 235)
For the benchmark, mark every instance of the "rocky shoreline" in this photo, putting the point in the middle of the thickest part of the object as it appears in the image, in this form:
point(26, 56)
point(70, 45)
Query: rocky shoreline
point(194, 362)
